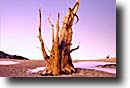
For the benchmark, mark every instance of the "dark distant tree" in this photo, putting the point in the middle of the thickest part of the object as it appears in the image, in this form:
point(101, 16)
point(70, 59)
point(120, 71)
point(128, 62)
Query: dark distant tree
point(107, 57)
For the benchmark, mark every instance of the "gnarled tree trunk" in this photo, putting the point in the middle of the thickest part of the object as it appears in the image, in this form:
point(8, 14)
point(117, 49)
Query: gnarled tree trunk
point(60, 60)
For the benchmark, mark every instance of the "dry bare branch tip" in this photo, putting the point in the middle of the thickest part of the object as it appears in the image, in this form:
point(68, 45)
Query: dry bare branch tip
point(74, 49)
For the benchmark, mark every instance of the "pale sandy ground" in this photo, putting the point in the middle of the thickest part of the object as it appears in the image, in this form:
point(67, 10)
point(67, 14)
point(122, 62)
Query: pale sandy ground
point(22, 68)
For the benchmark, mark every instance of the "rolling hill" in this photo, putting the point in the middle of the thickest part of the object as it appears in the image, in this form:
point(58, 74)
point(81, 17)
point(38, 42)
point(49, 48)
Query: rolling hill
point(8, 56)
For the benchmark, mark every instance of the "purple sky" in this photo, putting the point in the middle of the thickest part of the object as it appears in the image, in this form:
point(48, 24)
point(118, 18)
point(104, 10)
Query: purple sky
point(96, 29)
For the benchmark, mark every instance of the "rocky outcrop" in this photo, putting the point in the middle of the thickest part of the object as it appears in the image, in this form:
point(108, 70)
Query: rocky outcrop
point(5, 55)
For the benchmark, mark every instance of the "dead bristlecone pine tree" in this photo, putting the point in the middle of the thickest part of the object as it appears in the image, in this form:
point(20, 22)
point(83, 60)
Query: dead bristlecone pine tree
point(59, 61)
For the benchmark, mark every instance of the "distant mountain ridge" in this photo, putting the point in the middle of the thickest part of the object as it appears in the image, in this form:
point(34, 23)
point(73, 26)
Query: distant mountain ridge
point(5, 55)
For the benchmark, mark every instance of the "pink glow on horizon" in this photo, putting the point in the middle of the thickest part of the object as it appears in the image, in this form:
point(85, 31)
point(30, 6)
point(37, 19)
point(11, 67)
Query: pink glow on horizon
point(96, 29)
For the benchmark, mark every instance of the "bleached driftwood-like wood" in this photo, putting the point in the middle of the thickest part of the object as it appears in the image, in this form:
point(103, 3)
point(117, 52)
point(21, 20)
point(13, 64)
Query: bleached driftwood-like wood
point(46, 57)
point(60, 60)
